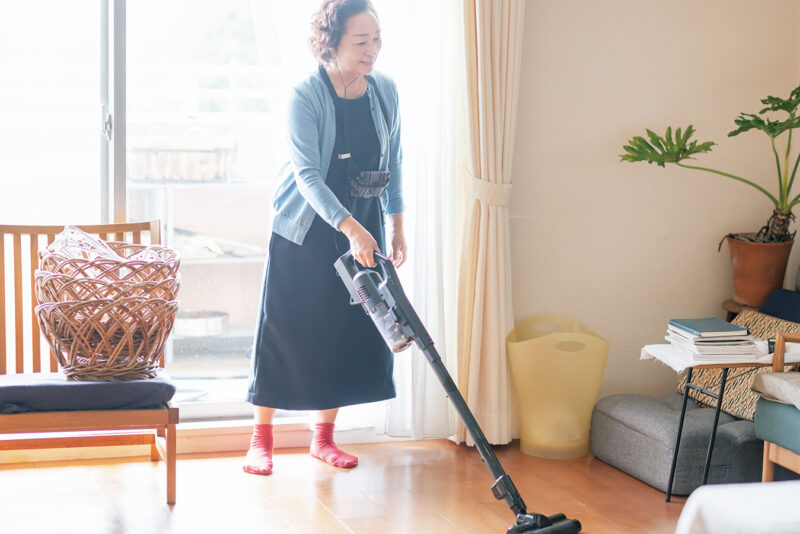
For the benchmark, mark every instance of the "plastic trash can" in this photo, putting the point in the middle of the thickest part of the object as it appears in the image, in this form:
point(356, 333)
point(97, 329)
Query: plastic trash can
point(556, 367)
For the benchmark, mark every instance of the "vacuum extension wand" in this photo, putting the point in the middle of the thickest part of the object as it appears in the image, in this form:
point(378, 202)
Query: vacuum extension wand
point(385, 302)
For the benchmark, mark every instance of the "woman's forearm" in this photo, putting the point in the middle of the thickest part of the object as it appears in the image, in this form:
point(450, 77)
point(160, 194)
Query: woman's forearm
point(395, 222)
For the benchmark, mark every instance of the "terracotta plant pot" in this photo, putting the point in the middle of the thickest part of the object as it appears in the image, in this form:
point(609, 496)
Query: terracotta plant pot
point(758, 269)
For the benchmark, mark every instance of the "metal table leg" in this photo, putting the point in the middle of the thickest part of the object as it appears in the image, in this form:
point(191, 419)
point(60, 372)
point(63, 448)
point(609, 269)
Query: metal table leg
point(680, 430)
point(714, 428)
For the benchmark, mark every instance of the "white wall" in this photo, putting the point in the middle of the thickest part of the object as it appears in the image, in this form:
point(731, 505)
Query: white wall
point(622, 247)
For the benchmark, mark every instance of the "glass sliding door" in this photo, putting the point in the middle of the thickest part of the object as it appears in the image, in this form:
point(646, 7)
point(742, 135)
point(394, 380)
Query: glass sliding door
point(50, 112)
point(206, 89)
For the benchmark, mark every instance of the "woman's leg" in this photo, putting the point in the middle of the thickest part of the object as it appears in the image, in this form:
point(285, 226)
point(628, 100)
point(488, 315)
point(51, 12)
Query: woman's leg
point(263, 415)
point(322, 445)
point(259, 457)
point(327, 416)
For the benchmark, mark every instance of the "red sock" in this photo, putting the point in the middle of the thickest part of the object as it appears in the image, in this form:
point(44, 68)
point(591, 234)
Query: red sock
point(323, 447)
point(259, 457)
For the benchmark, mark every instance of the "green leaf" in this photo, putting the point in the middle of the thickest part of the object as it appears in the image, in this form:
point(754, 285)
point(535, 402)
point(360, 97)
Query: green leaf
point(745, 122)
point(704, 147)
point(788, 105)
point(655, 140)
point(748, 121)
point(687, 134)
point(773, 128)
point(795, 94)
point(661, 150)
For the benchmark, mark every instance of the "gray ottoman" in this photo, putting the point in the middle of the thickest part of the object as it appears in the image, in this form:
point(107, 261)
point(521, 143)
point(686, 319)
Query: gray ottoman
point(636, 434)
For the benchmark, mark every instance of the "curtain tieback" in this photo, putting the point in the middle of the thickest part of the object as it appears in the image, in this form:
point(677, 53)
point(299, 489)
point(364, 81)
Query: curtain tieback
point(485, 191)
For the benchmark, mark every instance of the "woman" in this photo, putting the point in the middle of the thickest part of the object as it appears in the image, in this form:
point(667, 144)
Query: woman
point(313, 350)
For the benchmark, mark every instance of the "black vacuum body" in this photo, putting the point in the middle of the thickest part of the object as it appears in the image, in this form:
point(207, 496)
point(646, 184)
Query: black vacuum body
point(384, 300)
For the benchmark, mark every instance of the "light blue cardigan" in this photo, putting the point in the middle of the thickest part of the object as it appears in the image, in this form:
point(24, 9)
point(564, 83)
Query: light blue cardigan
point(302, 192)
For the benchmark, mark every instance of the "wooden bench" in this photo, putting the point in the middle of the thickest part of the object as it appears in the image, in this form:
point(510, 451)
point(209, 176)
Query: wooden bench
point(28, 359)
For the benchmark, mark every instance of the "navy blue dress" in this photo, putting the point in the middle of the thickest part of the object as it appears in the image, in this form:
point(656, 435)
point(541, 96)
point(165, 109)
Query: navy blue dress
point(313, 350)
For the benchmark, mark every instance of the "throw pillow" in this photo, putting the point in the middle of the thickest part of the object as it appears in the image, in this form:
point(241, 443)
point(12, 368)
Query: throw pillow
point(739, 400)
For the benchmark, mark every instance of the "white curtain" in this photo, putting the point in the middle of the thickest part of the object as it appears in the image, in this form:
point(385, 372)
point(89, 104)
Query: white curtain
point(493, 39)
point(423, 51)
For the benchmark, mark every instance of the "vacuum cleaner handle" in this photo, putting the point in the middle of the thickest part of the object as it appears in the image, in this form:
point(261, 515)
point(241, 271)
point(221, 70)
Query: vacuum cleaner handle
point(385, 302)
point(348, 268)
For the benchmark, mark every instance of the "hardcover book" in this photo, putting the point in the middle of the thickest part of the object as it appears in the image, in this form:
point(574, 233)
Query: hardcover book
point(736, 347)
point(708, 327)
point(683, 334)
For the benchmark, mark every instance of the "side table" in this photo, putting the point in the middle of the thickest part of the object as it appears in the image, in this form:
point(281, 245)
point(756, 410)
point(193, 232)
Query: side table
point(680, 360)
point(718, 396)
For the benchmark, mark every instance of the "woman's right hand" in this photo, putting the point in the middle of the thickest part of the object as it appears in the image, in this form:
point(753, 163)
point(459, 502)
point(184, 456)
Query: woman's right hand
point(362, 244)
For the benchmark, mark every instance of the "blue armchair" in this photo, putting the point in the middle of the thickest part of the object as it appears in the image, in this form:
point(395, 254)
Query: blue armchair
point(777, 417)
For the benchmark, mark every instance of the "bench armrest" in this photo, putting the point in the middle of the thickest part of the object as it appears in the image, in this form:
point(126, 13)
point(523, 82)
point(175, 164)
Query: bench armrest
point(780, 350)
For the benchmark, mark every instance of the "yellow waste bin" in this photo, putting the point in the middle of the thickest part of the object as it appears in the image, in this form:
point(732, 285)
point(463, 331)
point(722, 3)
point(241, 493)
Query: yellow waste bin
point(556, 366)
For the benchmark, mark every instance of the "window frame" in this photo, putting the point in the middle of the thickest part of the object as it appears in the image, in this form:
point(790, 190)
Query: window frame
point(113, 94)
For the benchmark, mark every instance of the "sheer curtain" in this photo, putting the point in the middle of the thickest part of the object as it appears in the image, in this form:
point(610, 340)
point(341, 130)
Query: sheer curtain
point(423, 51)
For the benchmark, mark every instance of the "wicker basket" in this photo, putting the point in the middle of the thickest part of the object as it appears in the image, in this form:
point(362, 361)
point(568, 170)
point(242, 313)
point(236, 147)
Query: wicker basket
point(57, 287)
point(106, 307)
point(108, 339)
point(140, 263)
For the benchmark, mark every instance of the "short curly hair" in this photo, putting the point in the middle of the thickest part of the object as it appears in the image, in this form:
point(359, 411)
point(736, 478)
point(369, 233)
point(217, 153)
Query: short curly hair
point(329, 23)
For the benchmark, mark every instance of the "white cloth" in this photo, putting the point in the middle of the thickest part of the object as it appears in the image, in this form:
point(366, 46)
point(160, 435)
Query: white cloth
point(755, 508)
point(680, 360)
point(778, 387)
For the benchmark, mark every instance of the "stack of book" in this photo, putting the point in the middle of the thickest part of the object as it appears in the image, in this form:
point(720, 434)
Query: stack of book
point(712, 338)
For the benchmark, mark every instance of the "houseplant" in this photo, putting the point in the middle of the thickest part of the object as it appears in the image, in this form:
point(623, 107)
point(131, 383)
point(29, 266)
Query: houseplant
point(770, 246)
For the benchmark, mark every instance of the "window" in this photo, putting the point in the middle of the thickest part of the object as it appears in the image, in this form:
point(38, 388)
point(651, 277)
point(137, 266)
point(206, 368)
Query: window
point(50, 140)
point(207, 85)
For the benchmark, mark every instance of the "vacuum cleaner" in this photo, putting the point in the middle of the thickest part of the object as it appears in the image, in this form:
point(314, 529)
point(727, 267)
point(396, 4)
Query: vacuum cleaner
point(385, 302)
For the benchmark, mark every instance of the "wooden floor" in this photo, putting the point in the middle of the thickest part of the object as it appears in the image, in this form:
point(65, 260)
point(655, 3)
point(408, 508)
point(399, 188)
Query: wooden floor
point(399, 487)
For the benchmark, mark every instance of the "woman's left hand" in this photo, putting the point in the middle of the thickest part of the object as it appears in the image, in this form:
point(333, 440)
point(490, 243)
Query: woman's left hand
point(398, 252)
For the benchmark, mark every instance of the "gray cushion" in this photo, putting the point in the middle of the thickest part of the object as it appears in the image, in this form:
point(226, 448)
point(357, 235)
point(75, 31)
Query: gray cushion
point(636, 434)
point(46, 392)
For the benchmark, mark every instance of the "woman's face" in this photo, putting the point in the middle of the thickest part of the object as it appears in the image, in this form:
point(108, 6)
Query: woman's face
point(360, 44)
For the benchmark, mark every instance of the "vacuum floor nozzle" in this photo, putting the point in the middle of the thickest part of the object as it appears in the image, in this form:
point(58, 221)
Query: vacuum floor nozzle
point(555, 524)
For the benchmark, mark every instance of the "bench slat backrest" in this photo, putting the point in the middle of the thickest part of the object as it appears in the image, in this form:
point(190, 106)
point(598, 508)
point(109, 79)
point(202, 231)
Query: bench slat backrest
point(21, 342)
